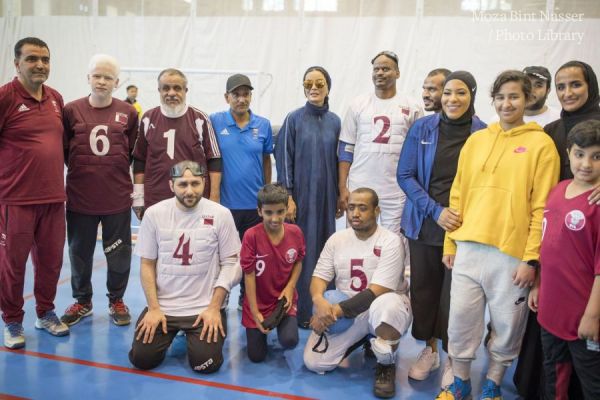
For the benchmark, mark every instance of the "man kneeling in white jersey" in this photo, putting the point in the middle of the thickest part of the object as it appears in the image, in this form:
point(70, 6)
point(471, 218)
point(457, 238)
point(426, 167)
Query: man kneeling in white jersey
point(366, 262)
point(190, 261)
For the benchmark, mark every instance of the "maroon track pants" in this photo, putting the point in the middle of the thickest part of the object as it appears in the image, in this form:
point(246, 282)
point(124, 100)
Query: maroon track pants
point(39, 229)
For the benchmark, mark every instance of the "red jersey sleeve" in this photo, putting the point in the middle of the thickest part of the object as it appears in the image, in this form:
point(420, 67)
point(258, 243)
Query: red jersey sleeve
point(141, 144)
point(248, 252)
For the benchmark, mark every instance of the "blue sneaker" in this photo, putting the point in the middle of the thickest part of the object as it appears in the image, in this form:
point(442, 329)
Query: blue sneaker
point(458, 390)
point(51, 324)
point(14, 335)
point(490, 391)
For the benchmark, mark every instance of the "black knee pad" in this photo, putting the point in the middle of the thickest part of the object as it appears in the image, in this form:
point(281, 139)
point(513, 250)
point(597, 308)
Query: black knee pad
point(256, 356)
point(206, 365)
point(144, 362)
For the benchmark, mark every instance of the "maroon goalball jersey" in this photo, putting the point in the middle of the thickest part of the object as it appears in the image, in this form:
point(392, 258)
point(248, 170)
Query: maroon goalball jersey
point(163, 142)
point(99, 142)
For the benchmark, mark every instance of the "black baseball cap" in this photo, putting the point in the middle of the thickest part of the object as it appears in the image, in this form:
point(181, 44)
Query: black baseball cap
point(237, 80)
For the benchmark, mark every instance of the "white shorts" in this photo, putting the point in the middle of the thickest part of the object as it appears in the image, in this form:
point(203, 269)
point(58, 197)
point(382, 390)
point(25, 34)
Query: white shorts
point(391, 308)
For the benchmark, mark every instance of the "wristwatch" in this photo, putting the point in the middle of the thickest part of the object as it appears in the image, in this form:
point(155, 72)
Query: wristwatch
point(535, 264)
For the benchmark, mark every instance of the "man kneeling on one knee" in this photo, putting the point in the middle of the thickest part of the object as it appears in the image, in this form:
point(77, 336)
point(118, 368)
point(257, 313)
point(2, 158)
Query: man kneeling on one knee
point(190, 261)
point(366, 262)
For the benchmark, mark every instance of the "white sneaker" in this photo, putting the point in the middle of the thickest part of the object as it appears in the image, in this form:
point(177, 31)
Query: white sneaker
point(427, 361)
point(51, 324)
point(14, 336)
point(447, 375)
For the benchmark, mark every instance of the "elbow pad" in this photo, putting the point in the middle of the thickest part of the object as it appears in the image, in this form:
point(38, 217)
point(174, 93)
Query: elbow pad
point(139, 166)
point(358, 304)
point(214, 165)
point(345, 151)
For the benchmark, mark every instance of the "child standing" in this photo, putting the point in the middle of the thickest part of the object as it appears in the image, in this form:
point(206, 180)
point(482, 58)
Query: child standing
point(271, 259)
point(569, 287)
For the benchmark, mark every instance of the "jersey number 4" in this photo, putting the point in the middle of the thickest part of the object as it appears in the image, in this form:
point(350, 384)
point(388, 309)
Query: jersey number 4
point(183, 251)
point(383, 136)
point(358, 277)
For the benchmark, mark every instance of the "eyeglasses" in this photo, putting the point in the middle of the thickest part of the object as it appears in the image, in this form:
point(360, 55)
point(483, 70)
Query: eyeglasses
point(389, 54)
point(179, 169)
point(319, 83)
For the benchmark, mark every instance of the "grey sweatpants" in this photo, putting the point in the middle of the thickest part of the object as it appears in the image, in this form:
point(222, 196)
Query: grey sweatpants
point(482, 274)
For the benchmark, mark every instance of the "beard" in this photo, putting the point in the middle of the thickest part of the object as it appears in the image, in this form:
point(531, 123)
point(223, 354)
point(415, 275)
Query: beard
point(537, 105)
point(173, 111)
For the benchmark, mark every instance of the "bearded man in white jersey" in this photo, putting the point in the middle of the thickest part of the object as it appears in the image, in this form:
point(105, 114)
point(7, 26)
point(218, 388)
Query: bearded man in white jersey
point(371, 139)
point(189, 249)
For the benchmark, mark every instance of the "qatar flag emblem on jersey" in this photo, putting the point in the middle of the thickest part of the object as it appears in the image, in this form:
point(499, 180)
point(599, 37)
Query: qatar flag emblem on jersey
point(575, 220)
point(377, 251)
point(208, 220)
point(121, 118)
point(405, 110)
point(291, 255)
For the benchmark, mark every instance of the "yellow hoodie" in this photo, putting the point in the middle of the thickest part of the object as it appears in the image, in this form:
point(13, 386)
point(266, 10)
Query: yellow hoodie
point(500, 189)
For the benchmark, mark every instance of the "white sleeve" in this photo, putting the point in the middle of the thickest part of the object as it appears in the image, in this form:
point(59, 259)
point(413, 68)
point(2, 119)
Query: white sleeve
point(390, 267)
point(147, 239)
point(325, 268)
point(230, 273)
point(349, 129)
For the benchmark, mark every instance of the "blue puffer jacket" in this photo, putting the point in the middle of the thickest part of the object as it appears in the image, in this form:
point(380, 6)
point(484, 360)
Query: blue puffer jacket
point(414, 172)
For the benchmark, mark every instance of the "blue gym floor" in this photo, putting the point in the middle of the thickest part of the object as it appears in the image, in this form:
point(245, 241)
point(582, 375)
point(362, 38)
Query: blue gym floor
point(91, 363)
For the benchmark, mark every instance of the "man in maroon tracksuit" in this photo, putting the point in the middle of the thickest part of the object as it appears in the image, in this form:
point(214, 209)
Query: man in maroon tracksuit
point(32, 195)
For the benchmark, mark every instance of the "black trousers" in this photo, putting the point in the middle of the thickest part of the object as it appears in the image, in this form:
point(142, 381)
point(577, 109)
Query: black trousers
point(244, 220)
point(287, 334)
point(430, 282)
point(560, 357)
point(203, 357)
point(116, 241)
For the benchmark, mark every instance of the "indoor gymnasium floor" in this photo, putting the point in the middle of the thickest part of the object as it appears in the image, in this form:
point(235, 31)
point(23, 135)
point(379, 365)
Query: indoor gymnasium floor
point(91, 363)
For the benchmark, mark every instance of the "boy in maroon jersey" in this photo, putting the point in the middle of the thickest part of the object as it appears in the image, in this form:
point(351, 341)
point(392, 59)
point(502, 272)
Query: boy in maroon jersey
point(271, 259)
point(569, 292)
point(100, 132)
point(32, 195)
point(168, 134)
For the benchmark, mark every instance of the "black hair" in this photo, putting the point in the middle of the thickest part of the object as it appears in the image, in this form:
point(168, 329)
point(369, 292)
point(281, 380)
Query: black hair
point(272, 193)
point(130, 87)
point(512, 76)
point(29, 40)
point(439, 71)
point(584, 134)
point(374, 197)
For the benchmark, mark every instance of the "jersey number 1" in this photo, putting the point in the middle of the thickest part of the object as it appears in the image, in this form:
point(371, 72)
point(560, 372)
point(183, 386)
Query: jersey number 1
point(170, 136)
point(183, 251)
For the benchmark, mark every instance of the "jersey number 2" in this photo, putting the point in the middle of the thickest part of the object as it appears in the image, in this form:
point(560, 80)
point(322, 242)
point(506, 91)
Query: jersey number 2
point(383, 136)
point(357, 275)
point(183, 251)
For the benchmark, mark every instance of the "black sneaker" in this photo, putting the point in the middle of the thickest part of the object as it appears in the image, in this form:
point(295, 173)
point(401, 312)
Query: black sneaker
point(76, 312)
point(385, 381)
point(119, 312)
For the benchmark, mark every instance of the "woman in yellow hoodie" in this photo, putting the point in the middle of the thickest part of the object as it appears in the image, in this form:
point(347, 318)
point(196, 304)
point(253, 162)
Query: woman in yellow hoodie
point(504, 175)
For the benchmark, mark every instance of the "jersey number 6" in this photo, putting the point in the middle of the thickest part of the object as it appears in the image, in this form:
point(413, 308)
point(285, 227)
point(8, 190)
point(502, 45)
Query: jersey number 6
point(97, 136)
point(357, 275)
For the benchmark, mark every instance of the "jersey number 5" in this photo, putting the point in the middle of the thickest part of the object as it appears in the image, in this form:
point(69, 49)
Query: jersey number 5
point(383, 136)
point(357, 275)
point(183, 251)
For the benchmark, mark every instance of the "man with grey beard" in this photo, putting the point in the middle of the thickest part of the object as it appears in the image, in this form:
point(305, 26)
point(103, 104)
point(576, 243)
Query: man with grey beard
point(168, 134)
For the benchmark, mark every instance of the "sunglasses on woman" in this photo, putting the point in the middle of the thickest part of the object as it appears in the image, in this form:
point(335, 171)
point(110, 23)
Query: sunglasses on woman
point(319, 83)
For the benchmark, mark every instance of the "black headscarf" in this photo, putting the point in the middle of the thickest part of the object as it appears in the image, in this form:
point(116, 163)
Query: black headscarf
point(468, 80)
point(591, 106)
point(325, 107)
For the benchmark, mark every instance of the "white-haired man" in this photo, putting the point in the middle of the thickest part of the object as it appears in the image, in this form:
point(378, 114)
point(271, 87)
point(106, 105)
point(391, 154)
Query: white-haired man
point(100, 132)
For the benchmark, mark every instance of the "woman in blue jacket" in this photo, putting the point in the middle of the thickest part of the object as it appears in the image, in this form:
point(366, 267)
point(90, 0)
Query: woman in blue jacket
point(426, 169)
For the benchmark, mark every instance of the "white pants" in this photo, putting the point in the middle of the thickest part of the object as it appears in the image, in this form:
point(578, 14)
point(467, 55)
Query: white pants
point(390, 308)
point(482, 274)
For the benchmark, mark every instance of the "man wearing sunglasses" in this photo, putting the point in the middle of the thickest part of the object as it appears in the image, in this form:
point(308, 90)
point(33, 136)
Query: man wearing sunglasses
point(189, 251)
point(246, 143)
point(371, 139)
point(168, 134)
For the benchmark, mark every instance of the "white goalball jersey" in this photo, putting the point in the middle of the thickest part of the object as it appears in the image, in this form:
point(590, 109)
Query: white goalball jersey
point(189, 248)
point(377, 128)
